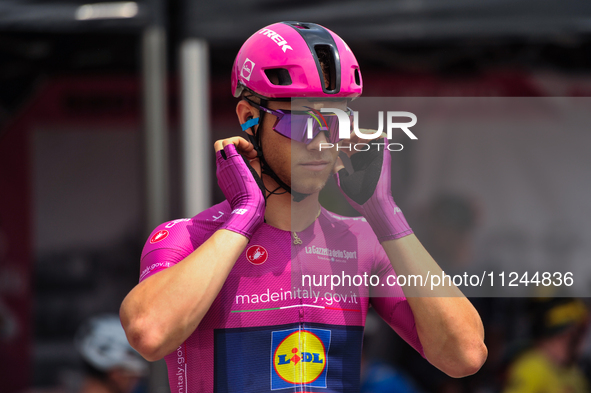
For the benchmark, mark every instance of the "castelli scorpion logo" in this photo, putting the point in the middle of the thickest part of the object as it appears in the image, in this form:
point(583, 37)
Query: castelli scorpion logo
point(257, 255)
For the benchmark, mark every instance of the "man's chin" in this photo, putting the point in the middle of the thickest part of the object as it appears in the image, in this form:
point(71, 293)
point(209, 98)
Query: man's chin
point(309, 182)
point(308, 187)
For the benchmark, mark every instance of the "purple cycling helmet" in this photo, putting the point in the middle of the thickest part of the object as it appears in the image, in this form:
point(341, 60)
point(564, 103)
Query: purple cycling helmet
point(281, 61)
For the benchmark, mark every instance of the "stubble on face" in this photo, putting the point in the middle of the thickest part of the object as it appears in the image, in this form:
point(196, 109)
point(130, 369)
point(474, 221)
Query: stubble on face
point(303, 167)
point(291, 160)
point(304, 179)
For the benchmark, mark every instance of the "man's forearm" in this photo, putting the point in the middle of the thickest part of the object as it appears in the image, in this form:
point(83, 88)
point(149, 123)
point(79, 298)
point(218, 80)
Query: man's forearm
point(161, 312)
point(448, 326)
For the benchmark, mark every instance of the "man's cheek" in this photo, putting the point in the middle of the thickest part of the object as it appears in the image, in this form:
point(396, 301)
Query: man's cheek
point(333, 159)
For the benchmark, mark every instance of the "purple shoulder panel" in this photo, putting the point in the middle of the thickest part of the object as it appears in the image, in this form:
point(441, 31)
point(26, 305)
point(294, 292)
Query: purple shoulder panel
point(173, 241)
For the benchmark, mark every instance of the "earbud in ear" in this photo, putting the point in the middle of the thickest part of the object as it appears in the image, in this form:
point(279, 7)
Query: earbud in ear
point(249, 123)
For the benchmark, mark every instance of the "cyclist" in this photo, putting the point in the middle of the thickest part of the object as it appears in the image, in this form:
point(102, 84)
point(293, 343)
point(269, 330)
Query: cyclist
point(220, 294)
point(111, 365)
point(550, 362)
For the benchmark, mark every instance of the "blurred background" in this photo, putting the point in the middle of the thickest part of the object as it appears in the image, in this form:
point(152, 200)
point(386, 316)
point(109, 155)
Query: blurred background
point(108, 111)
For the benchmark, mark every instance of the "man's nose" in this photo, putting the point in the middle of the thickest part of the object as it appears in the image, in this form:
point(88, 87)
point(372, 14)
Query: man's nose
point(318, 140)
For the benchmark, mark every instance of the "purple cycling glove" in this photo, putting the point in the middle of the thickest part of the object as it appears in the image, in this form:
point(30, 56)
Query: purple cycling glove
point(244, 190)
point(368, 190)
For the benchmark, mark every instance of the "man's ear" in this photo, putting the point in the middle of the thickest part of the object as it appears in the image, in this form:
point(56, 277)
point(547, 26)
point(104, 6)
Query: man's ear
point(245, 112)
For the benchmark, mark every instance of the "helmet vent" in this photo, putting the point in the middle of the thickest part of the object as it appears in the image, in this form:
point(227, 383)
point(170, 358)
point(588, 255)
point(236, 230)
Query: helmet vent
point(325, 56)
point(278, 76)
point(357, 78)
point(299, 25)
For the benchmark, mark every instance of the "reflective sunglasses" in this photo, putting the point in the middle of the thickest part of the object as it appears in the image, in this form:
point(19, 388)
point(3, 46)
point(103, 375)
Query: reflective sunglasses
point(294, 124)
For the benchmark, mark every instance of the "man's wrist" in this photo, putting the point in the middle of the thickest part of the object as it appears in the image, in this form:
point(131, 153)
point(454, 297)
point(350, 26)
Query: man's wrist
point(386, 220)
point(245, 221)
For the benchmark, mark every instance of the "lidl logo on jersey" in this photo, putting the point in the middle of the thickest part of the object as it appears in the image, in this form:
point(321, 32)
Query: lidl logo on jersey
point(290, 358)
point(299, 358)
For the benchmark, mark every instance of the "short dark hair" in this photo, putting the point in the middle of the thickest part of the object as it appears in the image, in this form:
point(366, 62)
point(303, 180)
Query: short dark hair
point(326, 64)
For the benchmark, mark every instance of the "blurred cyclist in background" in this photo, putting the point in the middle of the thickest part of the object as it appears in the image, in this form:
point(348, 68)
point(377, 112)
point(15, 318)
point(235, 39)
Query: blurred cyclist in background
point(549, 365)
point(111, 365)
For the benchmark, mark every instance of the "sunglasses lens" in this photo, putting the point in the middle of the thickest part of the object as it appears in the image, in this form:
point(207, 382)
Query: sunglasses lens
point(292, 127)
point(297, 126)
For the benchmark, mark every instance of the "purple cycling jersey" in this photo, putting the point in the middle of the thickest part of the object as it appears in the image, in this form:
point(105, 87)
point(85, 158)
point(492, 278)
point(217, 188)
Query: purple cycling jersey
point(266, 332)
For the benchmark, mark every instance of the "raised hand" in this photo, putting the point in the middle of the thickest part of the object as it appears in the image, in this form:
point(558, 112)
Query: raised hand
point(241, 183)
point(368, 190)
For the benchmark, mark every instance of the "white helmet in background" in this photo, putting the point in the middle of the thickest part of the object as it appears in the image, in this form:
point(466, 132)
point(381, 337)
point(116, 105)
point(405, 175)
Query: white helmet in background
point(102, 342)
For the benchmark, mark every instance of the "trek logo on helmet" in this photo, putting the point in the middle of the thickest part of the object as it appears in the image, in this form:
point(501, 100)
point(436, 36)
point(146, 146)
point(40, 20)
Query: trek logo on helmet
point(280, 41)
point(247, 68)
